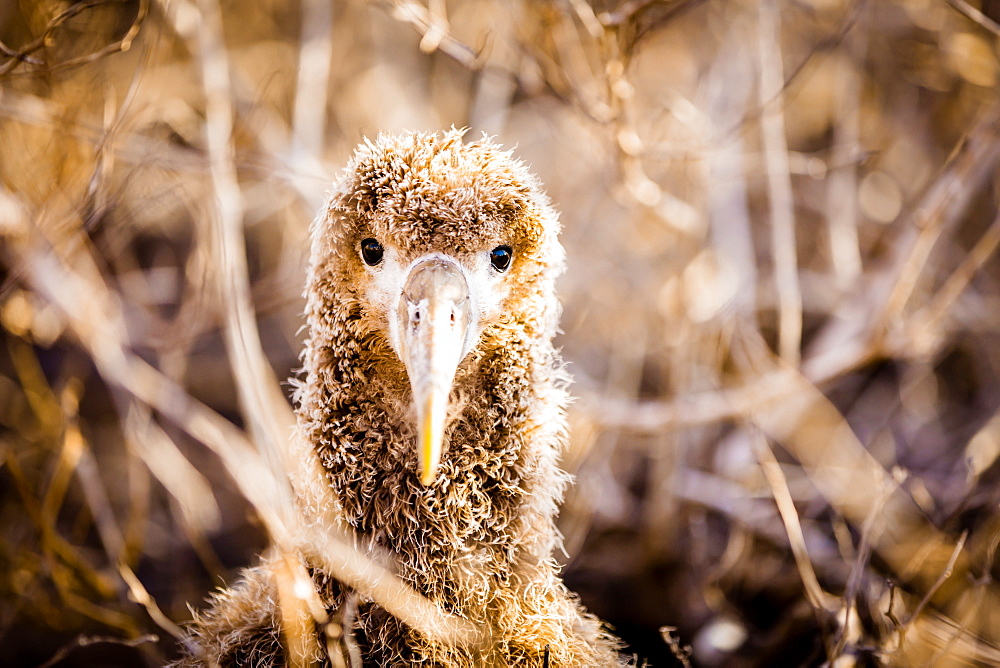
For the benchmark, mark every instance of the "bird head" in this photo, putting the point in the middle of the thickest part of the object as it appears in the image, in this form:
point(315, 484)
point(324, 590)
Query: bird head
point(447, 249)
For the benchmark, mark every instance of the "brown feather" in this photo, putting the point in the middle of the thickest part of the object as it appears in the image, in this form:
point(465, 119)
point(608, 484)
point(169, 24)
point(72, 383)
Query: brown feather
point(479, 540)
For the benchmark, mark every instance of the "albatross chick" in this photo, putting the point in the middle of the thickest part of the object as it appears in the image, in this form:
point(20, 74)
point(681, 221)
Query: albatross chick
point(435, 402)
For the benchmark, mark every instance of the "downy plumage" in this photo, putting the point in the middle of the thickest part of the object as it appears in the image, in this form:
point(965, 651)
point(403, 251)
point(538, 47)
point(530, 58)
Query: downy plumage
point(477, 536)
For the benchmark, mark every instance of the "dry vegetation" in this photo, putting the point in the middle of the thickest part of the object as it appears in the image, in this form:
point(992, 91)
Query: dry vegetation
point(782, 309)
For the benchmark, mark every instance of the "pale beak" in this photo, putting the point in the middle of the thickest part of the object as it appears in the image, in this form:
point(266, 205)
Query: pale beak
point(433, 323)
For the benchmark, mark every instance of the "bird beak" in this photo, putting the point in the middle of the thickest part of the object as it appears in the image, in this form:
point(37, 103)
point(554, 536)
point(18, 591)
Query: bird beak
point(433, 323)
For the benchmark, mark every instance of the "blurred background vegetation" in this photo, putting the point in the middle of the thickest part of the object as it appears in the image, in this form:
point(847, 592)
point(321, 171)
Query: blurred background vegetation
point(782, 308)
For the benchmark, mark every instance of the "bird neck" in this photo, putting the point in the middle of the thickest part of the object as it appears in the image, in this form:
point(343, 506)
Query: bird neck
point(490, 513)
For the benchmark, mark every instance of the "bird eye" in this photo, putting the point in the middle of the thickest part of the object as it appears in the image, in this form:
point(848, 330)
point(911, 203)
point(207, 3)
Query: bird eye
point(371, 251)
point(500, 257)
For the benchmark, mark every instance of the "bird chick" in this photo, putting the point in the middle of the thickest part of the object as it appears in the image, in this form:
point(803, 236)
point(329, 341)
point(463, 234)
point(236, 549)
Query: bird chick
point(435, 402)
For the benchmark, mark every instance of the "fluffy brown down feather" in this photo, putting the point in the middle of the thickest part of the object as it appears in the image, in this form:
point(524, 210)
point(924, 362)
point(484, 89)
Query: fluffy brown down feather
point(479, 540)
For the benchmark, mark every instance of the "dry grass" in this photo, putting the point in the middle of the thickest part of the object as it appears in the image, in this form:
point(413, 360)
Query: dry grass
point(782, 309)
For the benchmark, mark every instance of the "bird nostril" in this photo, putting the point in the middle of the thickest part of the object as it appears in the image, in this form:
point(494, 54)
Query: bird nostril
point(453, 316)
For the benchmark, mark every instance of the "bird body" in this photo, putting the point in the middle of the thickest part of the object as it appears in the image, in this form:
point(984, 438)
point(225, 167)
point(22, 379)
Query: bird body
point(435, 401)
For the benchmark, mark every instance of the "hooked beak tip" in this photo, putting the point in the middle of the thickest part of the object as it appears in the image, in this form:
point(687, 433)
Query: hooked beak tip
point(430, 444)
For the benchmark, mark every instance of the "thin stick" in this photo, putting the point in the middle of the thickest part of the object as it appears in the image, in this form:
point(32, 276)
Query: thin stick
point(932, 314)
point(946, 199)
point(84, 641)
point(870, 527)
point(142, 596)
point(980, 19)
point(945, 574)
point(254, 379)
point(818, 598)
point(779, 184)
point(315, 57)
point(842, 182)
point(22, 55)
point(420, 17)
